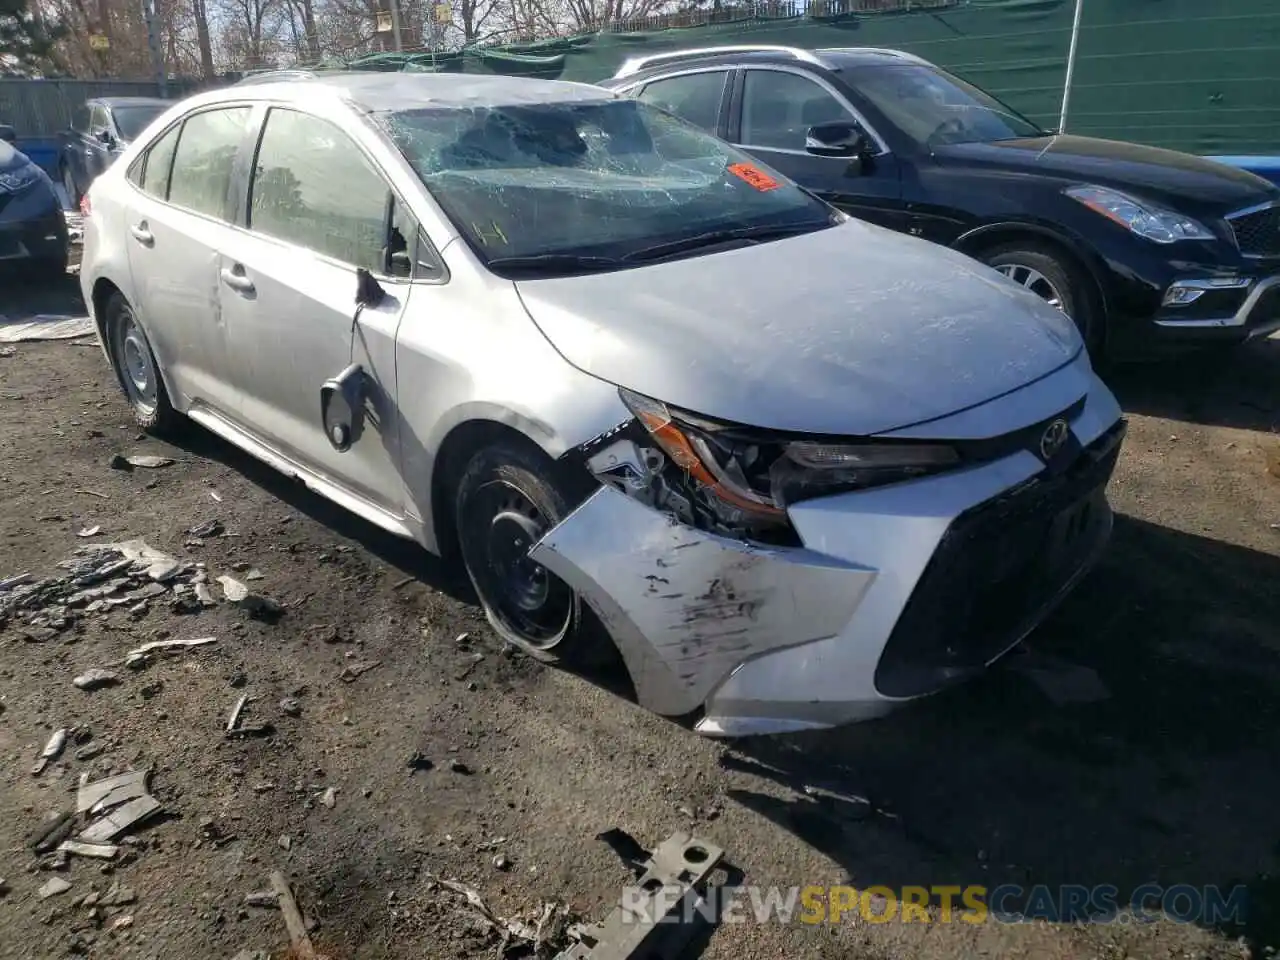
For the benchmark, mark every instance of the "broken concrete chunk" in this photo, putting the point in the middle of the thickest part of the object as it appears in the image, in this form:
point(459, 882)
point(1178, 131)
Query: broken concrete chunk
point(118, 896)
point(121, 819)
point(89, 531)
point(209, 528)
point(52, 750)
point(52, 887)
point(144, 460)
point(353, 671)
point(255, 604)
point(290, 707)
point(171, 645)
point(329, 798)
point(233, 589)
point(94, 679)
point(89, 752)
point(263, 898)
point(205, 595)
point(52, 832)
point(146, 593)
point(162, 571)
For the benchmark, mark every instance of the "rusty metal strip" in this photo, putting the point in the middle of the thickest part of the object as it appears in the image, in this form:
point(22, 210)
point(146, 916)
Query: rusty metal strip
point(674, 877)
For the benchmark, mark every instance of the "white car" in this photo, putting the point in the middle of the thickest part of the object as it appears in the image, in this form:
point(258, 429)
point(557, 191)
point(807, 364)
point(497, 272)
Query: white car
point(795, 468)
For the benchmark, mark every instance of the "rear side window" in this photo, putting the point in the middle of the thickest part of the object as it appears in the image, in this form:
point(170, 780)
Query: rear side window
point(312, 186)
point(206, 151)
point(694, 97)
point(158, 163)
point(779, 108)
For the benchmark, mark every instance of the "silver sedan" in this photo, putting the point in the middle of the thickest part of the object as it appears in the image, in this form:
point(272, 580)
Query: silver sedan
point(793, 468)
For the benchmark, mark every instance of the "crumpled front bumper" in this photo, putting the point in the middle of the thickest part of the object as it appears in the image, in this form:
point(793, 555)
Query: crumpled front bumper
point(772, 639)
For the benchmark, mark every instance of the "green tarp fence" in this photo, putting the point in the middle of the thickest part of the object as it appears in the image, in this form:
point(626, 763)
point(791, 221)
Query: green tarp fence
point(1194, 75)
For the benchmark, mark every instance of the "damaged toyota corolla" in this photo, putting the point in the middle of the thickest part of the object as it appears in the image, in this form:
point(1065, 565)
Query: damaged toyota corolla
point(792, 467)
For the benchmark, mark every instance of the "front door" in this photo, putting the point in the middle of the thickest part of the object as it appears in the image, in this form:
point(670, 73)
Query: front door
point(777, 107)
point(318, 211)
point(176, 223)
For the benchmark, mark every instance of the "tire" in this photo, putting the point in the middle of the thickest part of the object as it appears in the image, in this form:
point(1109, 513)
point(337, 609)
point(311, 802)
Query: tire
point(138, 371)
point(504, 502)
point(69, 185)
point(1057, 279)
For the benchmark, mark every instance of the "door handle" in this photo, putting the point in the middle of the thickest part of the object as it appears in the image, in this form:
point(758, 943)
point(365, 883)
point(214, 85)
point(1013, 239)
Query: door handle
point(235, 279)
point(142, 234)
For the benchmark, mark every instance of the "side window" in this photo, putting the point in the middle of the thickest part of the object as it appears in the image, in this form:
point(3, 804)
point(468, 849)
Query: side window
point(98, 120)
point(206, 151)
point(410, 254)
point(157, 163)
point(694, 96)
point(312, 186)
point(778, 107)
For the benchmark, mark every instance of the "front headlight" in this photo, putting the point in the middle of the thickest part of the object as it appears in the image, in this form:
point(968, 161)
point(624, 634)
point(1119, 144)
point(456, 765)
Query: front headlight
point(1140, 217)
point(755, 474)
point(19, 178)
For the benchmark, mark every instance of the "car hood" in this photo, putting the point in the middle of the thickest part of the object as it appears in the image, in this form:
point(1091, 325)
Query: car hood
point(851, 330)
point(1191, 184)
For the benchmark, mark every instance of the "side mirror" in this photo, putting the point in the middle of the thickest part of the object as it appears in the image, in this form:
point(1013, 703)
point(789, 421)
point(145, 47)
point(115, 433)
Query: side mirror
point(342, 407)
point(105, 136)
point(841, 139)
point(8, 134)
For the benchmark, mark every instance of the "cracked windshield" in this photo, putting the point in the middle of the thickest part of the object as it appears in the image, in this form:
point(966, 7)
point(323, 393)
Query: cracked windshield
point(559, 188)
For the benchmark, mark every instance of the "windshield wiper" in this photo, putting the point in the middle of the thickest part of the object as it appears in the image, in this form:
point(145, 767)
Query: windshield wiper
point(556, 263)
point(716, 237)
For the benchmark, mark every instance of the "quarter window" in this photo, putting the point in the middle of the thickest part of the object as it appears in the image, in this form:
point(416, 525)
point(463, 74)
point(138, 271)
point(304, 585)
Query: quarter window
point(313, 187)
point(158, 164)
point(778, 108)
point(206, 151)
point(98, 120)
point(694, 97)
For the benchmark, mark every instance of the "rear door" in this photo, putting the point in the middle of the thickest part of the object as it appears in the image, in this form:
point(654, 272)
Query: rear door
point(699, 96)
point(318, 210)
point(776, 108)
point(177, 223)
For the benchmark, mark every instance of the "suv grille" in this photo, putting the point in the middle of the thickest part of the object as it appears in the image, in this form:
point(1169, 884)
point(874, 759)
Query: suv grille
point(1258, 233)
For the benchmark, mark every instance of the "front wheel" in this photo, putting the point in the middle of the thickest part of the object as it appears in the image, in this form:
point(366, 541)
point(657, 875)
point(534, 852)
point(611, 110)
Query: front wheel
point(507, 499)
point(1056, 280)
point(137, 369)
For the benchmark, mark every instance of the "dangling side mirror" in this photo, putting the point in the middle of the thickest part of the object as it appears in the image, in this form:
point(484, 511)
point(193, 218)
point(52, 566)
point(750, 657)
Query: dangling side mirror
point(342, 401)
point(843, 138)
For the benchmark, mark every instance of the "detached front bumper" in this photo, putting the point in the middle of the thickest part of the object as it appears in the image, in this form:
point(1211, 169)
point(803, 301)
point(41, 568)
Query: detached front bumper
point(896, 592)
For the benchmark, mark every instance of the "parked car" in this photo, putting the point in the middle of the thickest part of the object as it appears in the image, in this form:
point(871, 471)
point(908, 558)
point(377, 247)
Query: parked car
point(1144, 248)
point(100, 131)
point(794, 468)
point(33, 233)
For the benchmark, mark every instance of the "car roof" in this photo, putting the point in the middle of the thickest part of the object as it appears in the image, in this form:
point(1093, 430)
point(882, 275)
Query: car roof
point(829, 58)
point(130, 101)
point(380, 92)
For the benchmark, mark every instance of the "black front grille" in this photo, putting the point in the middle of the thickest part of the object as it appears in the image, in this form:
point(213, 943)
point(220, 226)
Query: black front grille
point(1258, 233)
point(997, 568)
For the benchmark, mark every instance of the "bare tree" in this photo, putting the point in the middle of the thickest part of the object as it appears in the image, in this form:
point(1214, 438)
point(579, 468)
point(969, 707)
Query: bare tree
point(200, 14)
point(249, 37)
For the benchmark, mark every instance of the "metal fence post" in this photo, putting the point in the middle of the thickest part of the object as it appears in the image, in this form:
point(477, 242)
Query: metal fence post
point(1071, 67)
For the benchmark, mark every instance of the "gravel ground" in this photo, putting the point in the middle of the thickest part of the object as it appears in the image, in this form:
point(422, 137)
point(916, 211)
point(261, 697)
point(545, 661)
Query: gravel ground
point(1170, 777)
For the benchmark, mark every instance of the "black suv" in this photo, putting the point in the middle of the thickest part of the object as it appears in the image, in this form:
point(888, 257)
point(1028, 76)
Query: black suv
point(1142, 247)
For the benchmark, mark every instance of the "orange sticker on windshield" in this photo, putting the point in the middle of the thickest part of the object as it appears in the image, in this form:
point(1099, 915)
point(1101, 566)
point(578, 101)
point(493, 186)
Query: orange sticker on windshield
point(754, 176)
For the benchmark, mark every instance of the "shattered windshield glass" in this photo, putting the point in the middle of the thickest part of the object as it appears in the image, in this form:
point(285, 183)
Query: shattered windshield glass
point(567, 187)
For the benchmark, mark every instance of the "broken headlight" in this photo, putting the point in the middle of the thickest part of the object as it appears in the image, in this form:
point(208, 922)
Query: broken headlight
point(749, 476)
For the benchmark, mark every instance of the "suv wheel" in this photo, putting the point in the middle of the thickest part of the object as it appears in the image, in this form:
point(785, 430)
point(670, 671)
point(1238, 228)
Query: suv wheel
point(136, 367)
point(1058, 281)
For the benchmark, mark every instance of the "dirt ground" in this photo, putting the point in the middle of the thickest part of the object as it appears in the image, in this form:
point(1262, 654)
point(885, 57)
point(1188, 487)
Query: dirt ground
point(1171, 777)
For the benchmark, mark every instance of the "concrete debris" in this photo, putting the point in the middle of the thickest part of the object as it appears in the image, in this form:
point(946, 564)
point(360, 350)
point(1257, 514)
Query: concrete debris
point(353, 671)
point(205, 595)
point(501, 862)
point(290, 707)
point(120, 923)
point(94, 679)
point(52, 831)
point(233, 721)
point(534, 936)
point(208, 528)
point(89, 532)
point(88, 752)
point(329, 798)
point(255, 604)
point(118, 896)
point(170, 646)
point(47, 326)
point(285, 842)
point(52, 887)
point(15, 581)
point(99, 851)
point(268, 899)
point(146, 461)
point(52, 750)
point(162, 571)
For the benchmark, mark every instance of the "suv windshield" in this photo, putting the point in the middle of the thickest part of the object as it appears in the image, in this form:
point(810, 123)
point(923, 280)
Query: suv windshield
point(571, 187)
point(132, 120)
point(935, 108)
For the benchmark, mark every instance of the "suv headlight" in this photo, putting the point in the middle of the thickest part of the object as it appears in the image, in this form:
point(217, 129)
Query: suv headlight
point(1140, 217)
point(759, 473)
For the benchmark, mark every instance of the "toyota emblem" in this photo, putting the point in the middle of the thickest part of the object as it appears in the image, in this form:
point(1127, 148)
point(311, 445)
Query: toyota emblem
point(1054, 436)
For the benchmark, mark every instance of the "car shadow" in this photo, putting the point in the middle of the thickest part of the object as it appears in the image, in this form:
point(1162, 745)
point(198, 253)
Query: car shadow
point(1239, 388)
point(1170, 779)
point(22, 297)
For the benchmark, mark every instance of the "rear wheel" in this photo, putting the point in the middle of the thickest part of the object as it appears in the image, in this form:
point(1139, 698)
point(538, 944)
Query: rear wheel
point(1056, 279)
point(137, 369)
point(506, 501)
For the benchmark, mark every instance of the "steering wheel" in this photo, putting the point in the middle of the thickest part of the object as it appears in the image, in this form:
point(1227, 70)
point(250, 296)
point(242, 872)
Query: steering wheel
point(948, 128)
